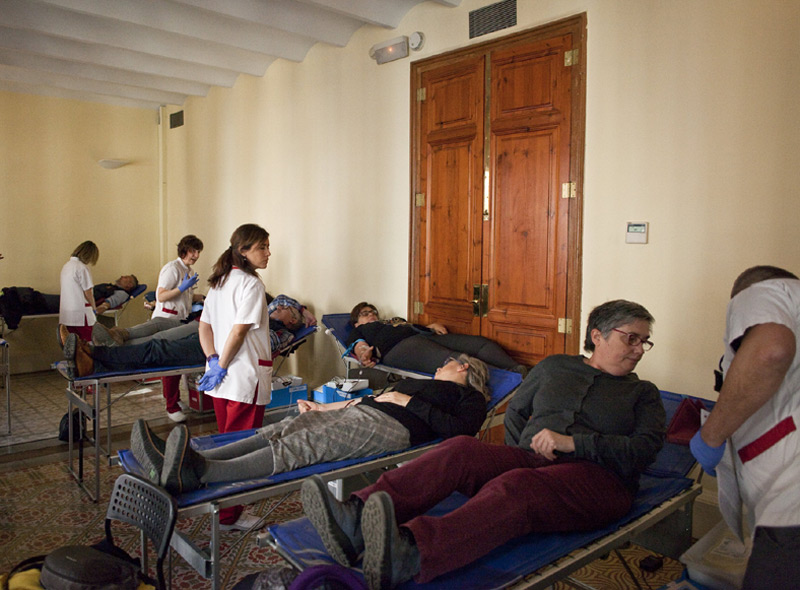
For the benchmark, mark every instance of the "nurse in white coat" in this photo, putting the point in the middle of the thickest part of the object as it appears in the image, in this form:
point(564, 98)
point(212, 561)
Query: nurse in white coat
point(234, 334)
point(77, 306)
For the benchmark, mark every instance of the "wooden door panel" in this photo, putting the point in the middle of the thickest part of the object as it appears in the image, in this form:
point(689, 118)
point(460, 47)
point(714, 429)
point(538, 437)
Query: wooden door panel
point(448, 259)
point(527, 79)
point(525, 253)
point(497, 121)
point(524, 229)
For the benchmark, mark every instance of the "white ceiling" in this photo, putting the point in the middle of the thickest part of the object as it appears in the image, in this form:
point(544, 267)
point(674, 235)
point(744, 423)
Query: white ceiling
point(146, 53)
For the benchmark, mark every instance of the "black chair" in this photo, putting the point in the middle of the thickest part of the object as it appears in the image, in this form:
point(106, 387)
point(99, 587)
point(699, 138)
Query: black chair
point(152, 510)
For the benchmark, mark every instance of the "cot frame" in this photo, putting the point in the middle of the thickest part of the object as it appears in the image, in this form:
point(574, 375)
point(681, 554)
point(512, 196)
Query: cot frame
point(112, 313)
point(5, 377)
point(207, 561)
point(575, 558)
point(76, 397)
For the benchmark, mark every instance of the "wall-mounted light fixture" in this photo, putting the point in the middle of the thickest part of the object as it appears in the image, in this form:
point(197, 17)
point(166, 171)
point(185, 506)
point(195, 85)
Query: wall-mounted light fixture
point(111, 164)
point(396, 48)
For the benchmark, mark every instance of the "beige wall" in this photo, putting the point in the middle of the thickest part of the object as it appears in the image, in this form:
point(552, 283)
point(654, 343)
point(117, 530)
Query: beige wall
point(691, 126)
point(54, 195)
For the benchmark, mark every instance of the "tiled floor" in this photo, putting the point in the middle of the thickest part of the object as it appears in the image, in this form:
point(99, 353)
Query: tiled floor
point(38, 402)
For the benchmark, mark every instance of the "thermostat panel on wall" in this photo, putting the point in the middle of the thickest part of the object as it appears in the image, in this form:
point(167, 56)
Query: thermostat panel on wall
point(637, 232)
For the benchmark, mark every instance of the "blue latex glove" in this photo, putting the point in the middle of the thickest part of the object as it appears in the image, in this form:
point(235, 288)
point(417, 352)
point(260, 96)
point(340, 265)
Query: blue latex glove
point(708, 456)
point(213, 376)
point(188, 282)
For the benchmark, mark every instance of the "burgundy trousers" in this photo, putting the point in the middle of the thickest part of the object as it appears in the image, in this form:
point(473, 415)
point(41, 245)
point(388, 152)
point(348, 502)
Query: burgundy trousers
point(232, 417)
point(170, 387)
point(511, 491)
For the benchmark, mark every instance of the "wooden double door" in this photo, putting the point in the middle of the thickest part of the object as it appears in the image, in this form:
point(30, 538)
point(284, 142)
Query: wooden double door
point(497, 145)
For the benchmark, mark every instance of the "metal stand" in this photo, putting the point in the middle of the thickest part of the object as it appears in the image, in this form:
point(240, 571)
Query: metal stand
point(5, 378)
point(78, 397)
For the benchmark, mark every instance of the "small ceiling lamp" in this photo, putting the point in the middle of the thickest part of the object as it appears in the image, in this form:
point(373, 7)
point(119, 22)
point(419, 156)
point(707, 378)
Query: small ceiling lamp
point(111, 164)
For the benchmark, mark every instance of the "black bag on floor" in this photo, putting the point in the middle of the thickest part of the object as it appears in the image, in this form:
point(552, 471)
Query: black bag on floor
point(78, 421)
point(80, 567)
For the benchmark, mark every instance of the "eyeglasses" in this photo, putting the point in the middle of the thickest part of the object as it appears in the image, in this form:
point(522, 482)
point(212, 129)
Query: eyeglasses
point(634, 340)
point(367, 311)
point(451, 359)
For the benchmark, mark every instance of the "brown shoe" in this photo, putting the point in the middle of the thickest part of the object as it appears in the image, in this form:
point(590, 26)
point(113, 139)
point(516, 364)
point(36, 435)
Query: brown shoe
point(84, 363)
point(62, 334)
point(120, 335)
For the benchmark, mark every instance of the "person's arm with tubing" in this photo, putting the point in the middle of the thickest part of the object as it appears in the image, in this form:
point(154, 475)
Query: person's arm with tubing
point(764, 356)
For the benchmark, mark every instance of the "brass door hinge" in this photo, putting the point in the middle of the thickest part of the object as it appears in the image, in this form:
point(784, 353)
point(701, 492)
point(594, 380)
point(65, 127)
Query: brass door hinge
point(419, 308)
point(568, 190)
point(564, 326)
point(419, 199)
point(571, 57)
point(421, 94)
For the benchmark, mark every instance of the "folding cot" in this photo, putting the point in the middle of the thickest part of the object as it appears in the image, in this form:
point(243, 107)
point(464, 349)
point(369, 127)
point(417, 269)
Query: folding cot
point(539, 560)
point(211, 499)
point(76, 393)
point(338, 325)
point(112, 313)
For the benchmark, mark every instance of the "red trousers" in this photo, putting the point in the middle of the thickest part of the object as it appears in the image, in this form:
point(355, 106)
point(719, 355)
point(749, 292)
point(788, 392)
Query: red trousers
point(231, 417)
point(170, 386)
point(511, 491)
point(83, 332)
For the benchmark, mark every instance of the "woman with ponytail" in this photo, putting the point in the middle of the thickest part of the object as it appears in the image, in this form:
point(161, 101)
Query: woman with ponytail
point(234, 334)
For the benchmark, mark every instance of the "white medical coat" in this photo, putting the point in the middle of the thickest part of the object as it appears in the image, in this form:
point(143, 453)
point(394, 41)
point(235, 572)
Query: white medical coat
point(242, 300)
point(170, 277)
point(766, 485)
point(73, 310)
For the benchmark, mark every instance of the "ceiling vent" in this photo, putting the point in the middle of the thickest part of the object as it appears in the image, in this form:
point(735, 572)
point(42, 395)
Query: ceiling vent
point(495, 17)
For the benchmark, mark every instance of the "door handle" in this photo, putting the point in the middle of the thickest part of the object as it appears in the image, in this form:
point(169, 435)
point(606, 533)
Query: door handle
point(480, 300)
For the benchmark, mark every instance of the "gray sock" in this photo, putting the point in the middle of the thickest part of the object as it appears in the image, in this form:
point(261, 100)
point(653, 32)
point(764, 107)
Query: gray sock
point(239, 448)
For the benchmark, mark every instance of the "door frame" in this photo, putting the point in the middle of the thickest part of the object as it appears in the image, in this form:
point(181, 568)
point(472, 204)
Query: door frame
point(577, 27)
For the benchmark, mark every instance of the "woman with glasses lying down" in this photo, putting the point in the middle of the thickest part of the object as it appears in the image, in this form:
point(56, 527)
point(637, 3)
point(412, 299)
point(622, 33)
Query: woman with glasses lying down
point(401, 344)
point(413, 412)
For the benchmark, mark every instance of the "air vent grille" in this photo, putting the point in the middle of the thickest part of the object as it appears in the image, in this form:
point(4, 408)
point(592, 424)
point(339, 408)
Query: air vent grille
point(495, 17)
point(176, 120)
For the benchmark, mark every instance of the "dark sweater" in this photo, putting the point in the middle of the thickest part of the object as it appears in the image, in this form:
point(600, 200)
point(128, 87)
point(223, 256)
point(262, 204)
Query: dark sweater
point(437, 409)
point(384, 335)
point(618, 422)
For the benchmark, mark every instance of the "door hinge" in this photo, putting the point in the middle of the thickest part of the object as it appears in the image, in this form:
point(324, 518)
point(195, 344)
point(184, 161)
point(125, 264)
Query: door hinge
point(419, 308)
point(571, 57)
point(419, 199)
point(564, 326)
point(421, 94)
point(568, 190)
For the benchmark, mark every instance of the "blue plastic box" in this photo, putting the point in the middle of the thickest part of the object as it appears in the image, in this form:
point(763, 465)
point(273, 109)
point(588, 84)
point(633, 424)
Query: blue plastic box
point(287, 396)
point(330, 394)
